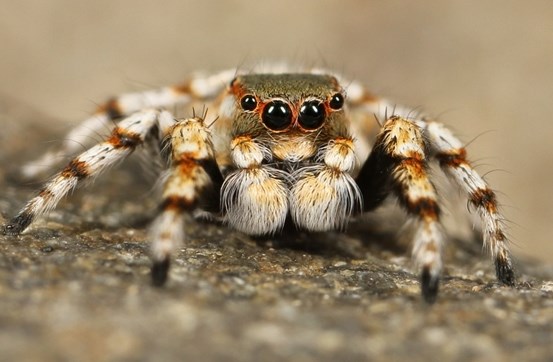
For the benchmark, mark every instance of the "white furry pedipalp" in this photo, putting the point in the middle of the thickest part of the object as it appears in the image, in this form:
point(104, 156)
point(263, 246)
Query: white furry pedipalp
point(255, 201)
point(322, 198)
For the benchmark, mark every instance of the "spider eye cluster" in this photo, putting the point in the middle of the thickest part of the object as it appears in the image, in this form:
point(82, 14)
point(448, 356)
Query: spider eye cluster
point(277, 115)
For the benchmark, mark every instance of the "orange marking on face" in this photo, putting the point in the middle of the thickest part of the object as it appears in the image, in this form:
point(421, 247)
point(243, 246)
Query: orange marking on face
point(293, 146)
point(237, 89)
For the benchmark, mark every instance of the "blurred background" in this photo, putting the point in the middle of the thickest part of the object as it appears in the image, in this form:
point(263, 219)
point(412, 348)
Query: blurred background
point(483, 67)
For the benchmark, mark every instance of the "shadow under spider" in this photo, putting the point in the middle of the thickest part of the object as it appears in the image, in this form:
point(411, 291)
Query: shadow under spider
point(353, 243)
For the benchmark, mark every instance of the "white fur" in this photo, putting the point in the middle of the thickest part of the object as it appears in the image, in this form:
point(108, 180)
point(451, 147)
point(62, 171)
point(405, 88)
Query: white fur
point(190, 136)
point(210, 86)
point(322, 198)
point(408, 139)
point(443, 141)
point(428, 245)
point(96, 160)
point(166, 233)
point(255, 201)
point(76, 139)
point(441, 138)
point(133, 102)
point(340, 154)
point(247, 153)
point(59, 187)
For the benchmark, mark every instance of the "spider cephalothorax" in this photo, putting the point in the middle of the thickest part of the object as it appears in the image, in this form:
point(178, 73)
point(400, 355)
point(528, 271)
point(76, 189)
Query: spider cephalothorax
point(284, 146)
point(291, 153)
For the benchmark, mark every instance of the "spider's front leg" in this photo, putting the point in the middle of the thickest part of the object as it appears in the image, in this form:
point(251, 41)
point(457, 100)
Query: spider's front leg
point(452, 157)
point(126, 136)
point(398, 164)
point(193, 183)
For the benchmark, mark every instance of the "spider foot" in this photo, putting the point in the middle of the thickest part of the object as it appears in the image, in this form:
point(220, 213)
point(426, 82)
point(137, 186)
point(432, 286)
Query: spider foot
point(429, 286)
point(17, 224)
point(505, 272)
point(160, 271)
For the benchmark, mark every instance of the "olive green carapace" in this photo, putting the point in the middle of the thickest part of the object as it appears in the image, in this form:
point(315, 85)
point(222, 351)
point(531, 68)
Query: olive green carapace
point(293, 87)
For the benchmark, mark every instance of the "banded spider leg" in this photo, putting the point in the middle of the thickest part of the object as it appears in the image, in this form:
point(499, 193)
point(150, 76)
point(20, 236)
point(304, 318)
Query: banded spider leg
point(198, 88)
point(130, 133)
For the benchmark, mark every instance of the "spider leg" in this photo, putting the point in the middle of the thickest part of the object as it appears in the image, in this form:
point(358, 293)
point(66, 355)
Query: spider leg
point(192, 183)
point(451, 154)
point(398, 164)
point(369, 103)
point(129, 134)
point(367, 113)
point(198, 88)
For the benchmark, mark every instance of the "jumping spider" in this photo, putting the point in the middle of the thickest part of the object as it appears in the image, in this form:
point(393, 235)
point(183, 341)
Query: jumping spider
point(283, 148)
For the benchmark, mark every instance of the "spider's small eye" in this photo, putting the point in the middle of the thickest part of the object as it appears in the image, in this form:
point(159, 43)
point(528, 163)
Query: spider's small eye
point(337, 101)
point(248, 102)
point(277, 115)
point(312, 114)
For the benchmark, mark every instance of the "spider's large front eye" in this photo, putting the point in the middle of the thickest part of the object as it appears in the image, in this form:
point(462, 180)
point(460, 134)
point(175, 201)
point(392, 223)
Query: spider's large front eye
point(277, 115)
point(312, 114)
point(248, 102)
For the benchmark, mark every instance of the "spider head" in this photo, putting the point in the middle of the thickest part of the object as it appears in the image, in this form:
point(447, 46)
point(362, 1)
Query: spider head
point(293, 111)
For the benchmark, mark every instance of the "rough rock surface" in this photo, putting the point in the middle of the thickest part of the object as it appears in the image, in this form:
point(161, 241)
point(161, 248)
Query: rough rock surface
point(76, 287)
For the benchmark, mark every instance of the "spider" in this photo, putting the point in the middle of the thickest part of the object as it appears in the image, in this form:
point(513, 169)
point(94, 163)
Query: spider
point(283, 148)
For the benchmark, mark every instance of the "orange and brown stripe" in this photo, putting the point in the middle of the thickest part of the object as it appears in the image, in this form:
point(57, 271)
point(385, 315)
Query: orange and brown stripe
point(484, 198)
point(76, 169)
point(112, 109)
point(121, 138)
point(453, 158)
point(425, 207)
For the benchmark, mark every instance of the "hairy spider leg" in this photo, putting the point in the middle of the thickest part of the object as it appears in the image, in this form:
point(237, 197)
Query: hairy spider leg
point(452, 156)
point(398, 164)
point(125, 137)
point(199, 88)
point(193, 182)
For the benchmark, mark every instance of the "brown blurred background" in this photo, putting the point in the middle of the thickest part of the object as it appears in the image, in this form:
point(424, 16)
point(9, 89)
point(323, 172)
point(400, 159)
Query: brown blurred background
point(479, 66)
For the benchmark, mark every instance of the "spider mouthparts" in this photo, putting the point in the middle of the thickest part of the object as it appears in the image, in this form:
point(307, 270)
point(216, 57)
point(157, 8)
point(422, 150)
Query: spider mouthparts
point(160, 271)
